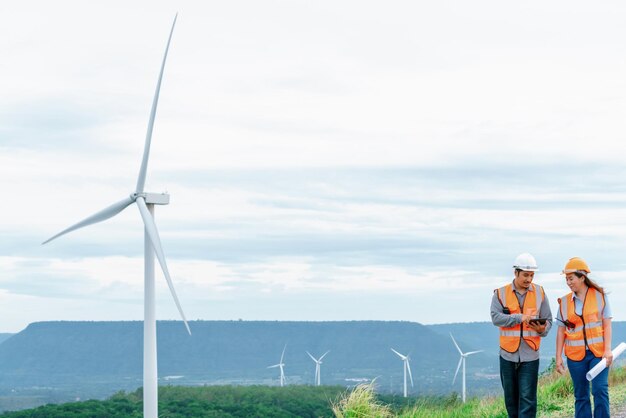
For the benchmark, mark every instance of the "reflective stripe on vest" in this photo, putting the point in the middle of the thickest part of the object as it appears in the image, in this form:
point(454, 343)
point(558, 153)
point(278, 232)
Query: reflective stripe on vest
point(510, 337)
point(525, 333)
point(588, 326)
point(580, 343)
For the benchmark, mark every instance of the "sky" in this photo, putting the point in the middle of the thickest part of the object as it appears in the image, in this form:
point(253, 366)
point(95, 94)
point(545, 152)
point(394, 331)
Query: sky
point(327, 160)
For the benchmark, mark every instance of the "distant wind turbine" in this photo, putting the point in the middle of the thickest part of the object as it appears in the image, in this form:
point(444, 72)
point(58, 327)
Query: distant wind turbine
point(407, 366)
point(152, 244)
point(281, 365)
point(462, 360)
point(318, 363)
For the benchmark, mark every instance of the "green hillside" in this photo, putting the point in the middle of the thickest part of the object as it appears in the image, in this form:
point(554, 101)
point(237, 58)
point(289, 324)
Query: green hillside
point(201, 402)
point(555, 401)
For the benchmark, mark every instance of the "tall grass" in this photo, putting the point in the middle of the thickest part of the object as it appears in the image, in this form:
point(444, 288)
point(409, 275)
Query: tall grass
point(554, 399)
point(361, 403)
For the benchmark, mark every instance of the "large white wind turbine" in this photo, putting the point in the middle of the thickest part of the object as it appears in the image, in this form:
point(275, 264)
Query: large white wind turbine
point(407, 366)
point(462, 360)
point(281, 365)
point(318, 364)
point(152, 244)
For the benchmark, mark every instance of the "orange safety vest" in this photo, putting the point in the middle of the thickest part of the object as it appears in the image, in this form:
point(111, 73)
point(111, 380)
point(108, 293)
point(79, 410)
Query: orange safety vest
point(587, 330)
point(511, 337)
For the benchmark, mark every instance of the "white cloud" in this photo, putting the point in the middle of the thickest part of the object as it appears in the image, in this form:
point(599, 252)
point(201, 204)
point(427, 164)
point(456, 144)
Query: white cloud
point(310, 149)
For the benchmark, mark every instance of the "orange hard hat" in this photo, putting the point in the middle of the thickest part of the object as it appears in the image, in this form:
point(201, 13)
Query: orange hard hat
point(576, 265)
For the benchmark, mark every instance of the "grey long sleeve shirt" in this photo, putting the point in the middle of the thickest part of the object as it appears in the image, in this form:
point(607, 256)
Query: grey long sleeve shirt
point(500, 319)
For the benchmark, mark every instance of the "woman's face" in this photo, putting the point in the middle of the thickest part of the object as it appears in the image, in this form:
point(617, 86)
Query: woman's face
point(574, 282)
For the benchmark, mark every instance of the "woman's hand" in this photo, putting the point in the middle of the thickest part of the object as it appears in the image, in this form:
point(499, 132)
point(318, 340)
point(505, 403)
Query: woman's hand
point(608, 355)
point(560, 368)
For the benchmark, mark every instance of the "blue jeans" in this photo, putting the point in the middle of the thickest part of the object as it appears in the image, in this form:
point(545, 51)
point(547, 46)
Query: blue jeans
point(519, 381)
point(599, 387)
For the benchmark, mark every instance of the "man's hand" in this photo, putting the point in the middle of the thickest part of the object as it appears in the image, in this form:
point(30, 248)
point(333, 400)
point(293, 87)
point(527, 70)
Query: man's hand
point(537, 327)
point(608, 355)
point(560, 368)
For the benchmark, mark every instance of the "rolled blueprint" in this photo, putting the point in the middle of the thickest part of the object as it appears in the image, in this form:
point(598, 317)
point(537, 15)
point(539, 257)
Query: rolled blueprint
point(597, 369)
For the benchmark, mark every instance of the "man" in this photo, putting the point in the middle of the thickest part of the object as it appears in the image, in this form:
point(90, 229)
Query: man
point(522, 312)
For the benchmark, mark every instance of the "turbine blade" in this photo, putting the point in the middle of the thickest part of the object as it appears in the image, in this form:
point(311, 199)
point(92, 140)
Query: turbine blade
point(103, 215)
point(153, 233)
point(281, 356)
point(401, 355)
point(457, 370)
point(456, 345)
point(312, 358)
point(408, 366)
point(474, 352)
point(273, 367)
point(324, 355)
point(141, 179)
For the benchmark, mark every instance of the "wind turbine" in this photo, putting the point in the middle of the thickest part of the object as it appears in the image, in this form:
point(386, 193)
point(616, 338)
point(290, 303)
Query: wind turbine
point(462, 360)
point(281, 365)
point(407, 366)
point(152, 244)
point(318, 363)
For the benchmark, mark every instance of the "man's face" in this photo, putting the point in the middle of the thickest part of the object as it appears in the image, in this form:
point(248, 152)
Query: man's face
point(523, 279)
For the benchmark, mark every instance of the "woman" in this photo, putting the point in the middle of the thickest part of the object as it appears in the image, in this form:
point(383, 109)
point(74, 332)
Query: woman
point(585, 331)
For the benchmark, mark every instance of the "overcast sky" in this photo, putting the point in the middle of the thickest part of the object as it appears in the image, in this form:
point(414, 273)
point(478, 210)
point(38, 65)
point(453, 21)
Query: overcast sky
point(326, 160)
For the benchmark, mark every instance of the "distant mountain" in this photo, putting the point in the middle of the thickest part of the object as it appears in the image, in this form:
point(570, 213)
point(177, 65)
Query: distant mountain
point(61, 361)
point(101, 357)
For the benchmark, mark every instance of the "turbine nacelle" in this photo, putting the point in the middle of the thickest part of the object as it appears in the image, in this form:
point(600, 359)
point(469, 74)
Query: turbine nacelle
point(402, 356)
point(276, 365)
point(319, 360)
point(152, 198)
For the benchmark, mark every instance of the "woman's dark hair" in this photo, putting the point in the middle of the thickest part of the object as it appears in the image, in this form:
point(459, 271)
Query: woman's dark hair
point(589, 282)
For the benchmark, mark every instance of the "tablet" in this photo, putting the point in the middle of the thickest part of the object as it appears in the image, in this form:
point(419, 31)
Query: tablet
point(540, 321)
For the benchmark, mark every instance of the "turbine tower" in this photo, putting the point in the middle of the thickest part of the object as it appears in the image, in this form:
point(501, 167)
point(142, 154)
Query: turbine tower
point(281, 365)
point(407, 366)
point(462, 360)
point(152, 244)
point(318, 363)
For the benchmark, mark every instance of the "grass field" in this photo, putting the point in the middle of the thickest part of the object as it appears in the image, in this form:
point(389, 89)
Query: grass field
point(555, 399)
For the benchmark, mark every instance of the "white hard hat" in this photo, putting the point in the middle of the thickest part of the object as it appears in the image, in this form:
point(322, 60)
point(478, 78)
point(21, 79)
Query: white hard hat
point(526, 262)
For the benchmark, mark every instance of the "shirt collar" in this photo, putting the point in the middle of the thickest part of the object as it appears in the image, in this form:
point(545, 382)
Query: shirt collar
point(574, 297)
